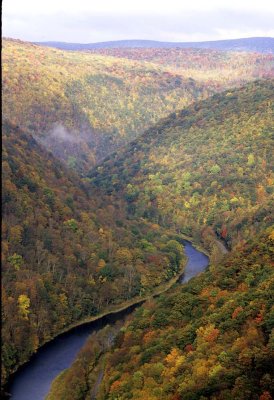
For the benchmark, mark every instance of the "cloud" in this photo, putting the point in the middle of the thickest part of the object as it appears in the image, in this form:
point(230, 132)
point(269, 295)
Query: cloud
point(59, 132)
point(173, 21)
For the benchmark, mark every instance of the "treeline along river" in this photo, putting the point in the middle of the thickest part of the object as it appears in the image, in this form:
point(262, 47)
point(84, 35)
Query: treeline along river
point(32, 381)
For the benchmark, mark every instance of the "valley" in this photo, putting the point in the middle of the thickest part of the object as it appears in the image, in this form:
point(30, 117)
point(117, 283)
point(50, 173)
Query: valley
point(62, 350)
point(210, 338)
point(112, 158)
point(84, 105)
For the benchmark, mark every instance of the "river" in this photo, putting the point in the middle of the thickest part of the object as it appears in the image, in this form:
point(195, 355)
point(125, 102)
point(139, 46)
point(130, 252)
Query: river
point(32, 381)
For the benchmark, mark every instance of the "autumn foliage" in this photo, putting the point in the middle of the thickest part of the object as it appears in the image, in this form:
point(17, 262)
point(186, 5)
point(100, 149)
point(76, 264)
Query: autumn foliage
point(204, 354)
point(98, 194)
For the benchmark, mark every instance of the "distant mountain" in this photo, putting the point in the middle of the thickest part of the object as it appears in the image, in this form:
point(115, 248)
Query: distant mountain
point(257, 44)
point(83, 106)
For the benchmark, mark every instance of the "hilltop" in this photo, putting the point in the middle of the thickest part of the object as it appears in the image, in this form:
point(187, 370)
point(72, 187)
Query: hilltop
point(256, 44)
point(217, 68)
point(82, 106)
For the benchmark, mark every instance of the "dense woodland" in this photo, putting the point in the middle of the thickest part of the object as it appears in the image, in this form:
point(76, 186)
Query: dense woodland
point(203, 171)
point(82, 105)
point(81, 237)
point(211, 66)
point(64, 255)
point(212, 337)
point(209, 339)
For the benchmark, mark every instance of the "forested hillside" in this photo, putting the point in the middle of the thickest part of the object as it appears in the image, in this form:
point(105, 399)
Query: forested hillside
point(210, 339)
point(205, 171)
point(77, 244)
point(66, 256)
point(220, 68)
point(82, 105)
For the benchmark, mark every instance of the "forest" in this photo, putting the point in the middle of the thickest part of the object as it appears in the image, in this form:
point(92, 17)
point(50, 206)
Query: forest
point(111, 157)
point(212, 338)
point(66, 256)
point(201, 172)
point(84, 105)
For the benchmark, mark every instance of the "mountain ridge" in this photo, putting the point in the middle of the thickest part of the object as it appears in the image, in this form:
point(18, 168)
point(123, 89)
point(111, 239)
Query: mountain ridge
point(256, 44)
point(69, 99)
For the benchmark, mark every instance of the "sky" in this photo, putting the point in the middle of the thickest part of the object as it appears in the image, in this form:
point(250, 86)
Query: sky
point(88, 21)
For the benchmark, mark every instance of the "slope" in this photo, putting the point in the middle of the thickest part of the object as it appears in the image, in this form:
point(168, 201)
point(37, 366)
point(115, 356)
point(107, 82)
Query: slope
point(65, 255)
point(209, 339)
point(214, 66)
point(205, 170)
point(82, 106)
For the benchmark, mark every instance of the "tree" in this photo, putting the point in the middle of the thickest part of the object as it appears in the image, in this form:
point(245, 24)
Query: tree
point(16, 260)
point(24, 304)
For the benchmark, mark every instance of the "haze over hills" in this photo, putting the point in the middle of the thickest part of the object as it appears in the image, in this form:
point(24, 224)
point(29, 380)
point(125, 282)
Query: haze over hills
point(255, 44)
point(82, 106)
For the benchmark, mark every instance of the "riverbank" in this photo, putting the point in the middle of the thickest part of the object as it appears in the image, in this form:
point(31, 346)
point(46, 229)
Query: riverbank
point(135, 301)
point(197, 262)
point(113, 309)
point(60, 341)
